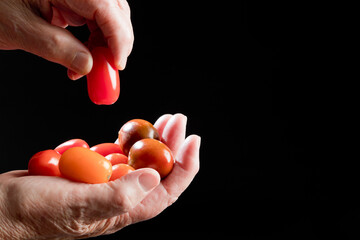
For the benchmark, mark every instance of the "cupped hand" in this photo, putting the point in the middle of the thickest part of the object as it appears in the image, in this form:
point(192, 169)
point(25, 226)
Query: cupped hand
point(40, 207)
point(37, 26)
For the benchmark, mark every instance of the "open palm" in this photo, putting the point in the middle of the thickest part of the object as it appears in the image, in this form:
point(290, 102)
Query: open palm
point(55, 208)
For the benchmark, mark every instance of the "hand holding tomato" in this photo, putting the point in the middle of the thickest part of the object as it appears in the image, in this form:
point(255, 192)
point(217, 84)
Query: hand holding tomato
point(77, 210)
point(39, 30)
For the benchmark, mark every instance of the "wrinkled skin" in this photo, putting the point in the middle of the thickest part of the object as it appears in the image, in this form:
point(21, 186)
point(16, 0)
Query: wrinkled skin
point(40, 207)
point(38, 27)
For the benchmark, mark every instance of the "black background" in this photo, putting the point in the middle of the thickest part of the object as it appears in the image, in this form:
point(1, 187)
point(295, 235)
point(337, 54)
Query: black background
point(244, 73)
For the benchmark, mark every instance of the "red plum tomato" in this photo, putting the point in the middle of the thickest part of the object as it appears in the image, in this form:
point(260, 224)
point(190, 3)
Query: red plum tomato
point(45, 163)
point(103, 81)
point(117, 158)
point(71, 143)
point(120, 170)
point(151, 153)
point(135, 130)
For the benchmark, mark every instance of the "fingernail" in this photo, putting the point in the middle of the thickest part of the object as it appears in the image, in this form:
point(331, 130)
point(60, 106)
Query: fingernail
point(80, 63)
point(73, 75)
point(122, 64)
point(199, 141)
point(148, 181)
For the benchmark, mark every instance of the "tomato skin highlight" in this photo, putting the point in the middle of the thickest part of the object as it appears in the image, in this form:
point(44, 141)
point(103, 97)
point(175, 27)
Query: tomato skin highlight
point(71, 143)
point(117, 158)
point(151, 153)
point(120, 170)
point(83, 165)
point(45, 163)
point(135, 130)
point(106, 148)
point(103, 81)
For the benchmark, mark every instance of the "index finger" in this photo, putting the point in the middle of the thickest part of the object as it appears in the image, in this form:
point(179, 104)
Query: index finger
point(113, 18)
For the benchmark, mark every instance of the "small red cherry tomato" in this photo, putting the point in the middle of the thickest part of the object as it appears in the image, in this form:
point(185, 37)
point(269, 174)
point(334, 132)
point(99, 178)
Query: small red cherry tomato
point(71, 143)
point(117, 158)
point(103, 81)
point(45, 163)
point(106, 148)
point(120, 170)
point(135, 130)
point(83, 165)
point(151, 153)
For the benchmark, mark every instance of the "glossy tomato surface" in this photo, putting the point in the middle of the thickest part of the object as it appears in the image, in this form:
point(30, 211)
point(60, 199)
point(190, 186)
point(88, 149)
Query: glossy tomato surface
point(151, 153)
point(71, 143)
point(117, 158)
point(135, 130)
point(106, 148)
point(103, 81)
point(120, 170)
point(83, 165)
point(45, 163)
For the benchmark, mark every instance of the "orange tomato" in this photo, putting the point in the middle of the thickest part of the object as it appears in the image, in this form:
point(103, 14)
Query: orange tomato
point(120, 170)
point(83, 165)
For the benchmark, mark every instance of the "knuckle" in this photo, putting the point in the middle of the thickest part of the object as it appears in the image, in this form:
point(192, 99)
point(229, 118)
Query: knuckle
point(123, 4)
point(50, 46)
point(105, 5)
point(123, 203)
point(127, 37)
point(54, 40)
point(171, 200)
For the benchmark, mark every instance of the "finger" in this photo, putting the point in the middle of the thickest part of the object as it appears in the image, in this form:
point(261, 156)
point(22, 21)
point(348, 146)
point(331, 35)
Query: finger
point(186, 167)
point(173, 185)
point(113, 21)
point(57, 45)
point(70, 17)
point(119, 36)
point(92, 26)
point(13, 174)
point(73, 75)
point(161, 123)
point(99, 201)
point(123, 4)
point(58, 19)
point(174, 132)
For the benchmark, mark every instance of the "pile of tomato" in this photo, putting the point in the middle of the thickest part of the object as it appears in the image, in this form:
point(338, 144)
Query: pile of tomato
point(138, 146)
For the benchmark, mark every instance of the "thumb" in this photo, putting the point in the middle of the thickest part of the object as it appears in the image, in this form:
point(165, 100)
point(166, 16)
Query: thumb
point(119, 196)
point(57, 45)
